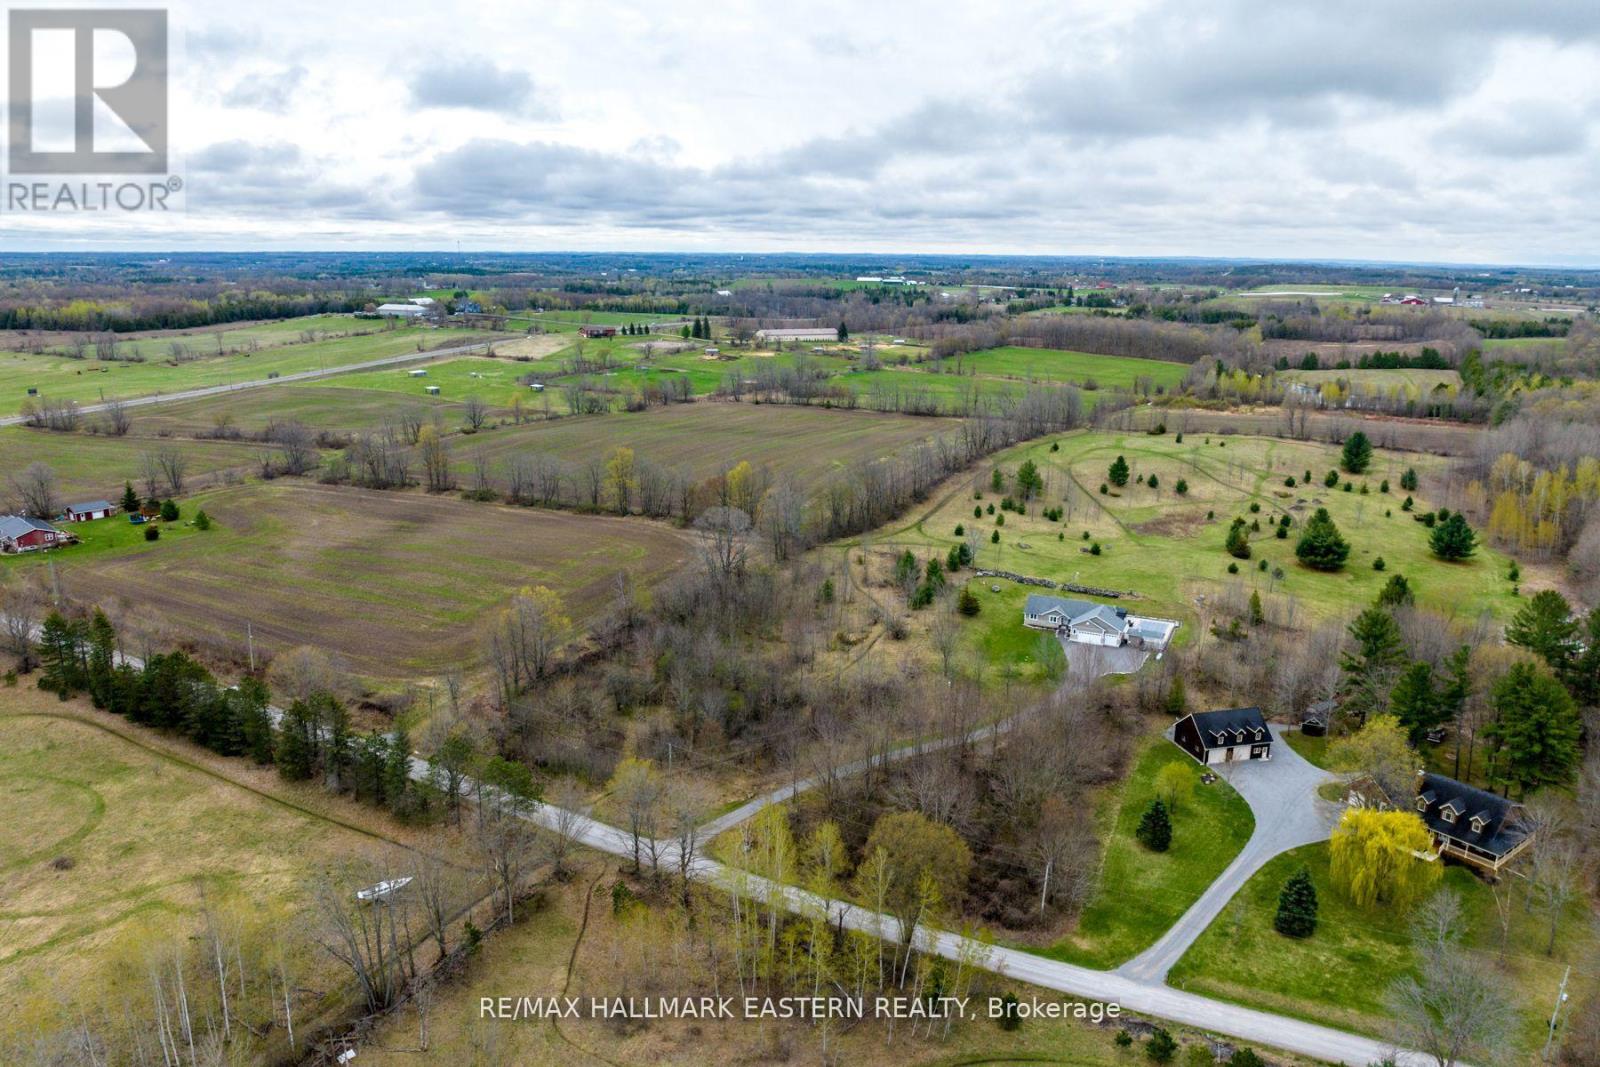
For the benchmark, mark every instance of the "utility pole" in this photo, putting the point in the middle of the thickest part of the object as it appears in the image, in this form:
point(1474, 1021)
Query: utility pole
point(1555, 1015)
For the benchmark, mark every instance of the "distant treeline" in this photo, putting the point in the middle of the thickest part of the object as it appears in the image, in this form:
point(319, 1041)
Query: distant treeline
point(129, 314)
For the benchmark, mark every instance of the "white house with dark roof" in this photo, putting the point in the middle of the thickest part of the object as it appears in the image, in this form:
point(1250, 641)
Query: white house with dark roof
point(1089, 623)
point(1228, 735)
point(1472, 825)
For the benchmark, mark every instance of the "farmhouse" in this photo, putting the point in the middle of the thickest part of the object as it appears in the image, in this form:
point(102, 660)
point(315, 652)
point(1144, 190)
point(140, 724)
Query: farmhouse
point(1094, 624)
point(1226, 736)
point(807, 333)
point(89, 509)
point(1470, 824)
point(598, 331)
point(401, 311)
point(21, 534)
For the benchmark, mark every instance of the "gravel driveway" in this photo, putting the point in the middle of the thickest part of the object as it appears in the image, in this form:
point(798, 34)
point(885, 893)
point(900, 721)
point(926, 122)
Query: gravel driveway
point(1282, 794)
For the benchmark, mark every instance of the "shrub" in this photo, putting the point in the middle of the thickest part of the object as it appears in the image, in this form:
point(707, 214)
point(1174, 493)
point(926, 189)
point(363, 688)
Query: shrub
point(1094, 549)
point(1378, 564)
point(169, 511)
point(960, 530)
point(202, 521)
point(1009, 1018)
point(1238, 541)
point(967, 604)
point(1103, 489)
point(1182, 488)
point(152, 533)
point(994, 538)
point(1255, 507)
point(1408, 480)
point(1152, 482)
point(1178, 439)
point(1160, 1048)
point(1330, 479)
point(1233, 568)
point(1244, 1057)
point(977, 511)
point(1383, 486)
point(1289, 481)
point(1000, 520)
point(1123, 1039)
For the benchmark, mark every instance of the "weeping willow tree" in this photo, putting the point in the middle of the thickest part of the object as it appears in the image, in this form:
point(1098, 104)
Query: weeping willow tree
point(1378, 857)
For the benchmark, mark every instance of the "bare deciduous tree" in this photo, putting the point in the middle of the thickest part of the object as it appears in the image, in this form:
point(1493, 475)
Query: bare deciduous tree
point(35, 490)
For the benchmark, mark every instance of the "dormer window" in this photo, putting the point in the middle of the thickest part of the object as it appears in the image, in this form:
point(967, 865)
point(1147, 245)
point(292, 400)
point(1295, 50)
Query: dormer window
point(1448, 814)
point(1422, 803)
point(1478, 823)
point(1259, 732)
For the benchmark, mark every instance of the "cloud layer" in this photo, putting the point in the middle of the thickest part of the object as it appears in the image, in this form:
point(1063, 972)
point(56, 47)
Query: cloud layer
point(1234, 128)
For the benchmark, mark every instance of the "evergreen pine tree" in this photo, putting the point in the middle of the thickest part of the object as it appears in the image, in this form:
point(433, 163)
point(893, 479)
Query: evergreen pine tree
point(1357, 454)
point(1118, 473)
point(1155, 827)
point(1321, 546)
point(1238, 542)
point(130, 499)
point(1415, 701)
point(1408, 480)
point(1453, 539)
point(1257, 616)
point(1297, 906)
point(102, 678)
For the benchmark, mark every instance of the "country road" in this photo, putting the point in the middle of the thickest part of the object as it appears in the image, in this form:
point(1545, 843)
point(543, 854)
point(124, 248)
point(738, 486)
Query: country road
point(297, 376)
point(1145, 995)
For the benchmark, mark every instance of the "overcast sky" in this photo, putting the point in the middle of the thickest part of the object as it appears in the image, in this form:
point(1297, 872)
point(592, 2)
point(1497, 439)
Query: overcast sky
point(1419, 131)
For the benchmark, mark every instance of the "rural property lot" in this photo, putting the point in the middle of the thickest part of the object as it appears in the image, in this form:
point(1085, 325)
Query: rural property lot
point(396, 583)
point(140, 837)
point(88, 466)
point(707, 437)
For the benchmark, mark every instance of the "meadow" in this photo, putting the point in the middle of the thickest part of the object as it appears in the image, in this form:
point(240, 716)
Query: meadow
point(1166, 548)
point(114, 845)
point(88, 465)
point(1058, 365)
point(707, 437)
point(398, 584)
point(1425, 381)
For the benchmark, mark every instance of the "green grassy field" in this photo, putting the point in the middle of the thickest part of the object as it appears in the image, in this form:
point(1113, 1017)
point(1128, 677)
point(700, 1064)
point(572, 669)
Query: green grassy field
point(1164, 547)
point(89, 466)
point(493, 381)
point(1055, 365)
point(1207, 833)
point(89, 381)
point(204, 342)
point(1424, 380)
point(1339, 976)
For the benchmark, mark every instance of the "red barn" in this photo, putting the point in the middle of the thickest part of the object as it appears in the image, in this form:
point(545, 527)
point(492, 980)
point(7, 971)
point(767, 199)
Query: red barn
point(90, 509)
point(598, 331)
point(19, 534)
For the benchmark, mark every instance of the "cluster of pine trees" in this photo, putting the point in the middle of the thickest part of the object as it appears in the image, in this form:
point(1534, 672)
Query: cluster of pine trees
point(173, 692)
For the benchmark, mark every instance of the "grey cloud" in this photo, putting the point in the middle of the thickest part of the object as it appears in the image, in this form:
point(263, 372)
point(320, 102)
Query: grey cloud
point(266, 90)
point(274, 177)
point(479, 85)
point(1529, 131)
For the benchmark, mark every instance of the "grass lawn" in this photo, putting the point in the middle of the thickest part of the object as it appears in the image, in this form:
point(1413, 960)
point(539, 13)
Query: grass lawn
point(320, 405)
point(1314, 750)
point(494, 381)
point(1168, 548)
point(1339, 976)
point(90, 381)
point(1207, 833)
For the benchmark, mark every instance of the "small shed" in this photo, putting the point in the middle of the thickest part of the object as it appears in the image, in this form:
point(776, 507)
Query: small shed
point(89, 510)
point(431, 390)
point(420, 372)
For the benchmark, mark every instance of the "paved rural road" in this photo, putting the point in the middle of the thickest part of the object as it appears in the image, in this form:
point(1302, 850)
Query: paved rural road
point(1282, 793)
point(298, 376)
point(1083, 663)
point(1143, 995)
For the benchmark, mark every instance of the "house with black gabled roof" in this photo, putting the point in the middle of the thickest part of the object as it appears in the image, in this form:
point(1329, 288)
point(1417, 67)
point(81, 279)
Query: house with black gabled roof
point(1229, 735)
point(1472, 825)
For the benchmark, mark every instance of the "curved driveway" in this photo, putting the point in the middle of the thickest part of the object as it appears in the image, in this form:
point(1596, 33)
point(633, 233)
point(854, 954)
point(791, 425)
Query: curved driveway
point(1282, 794)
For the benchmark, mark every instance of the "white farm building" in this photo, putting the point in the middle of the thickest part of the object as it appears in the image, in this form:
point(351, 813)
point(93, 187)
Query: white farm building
point(402, 311)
